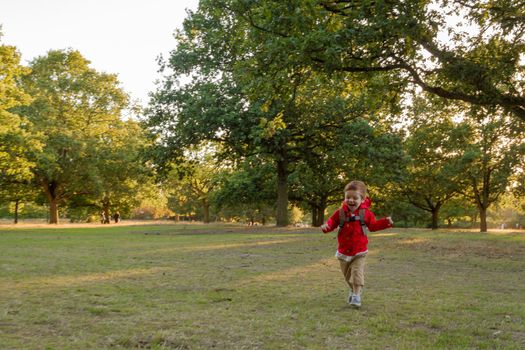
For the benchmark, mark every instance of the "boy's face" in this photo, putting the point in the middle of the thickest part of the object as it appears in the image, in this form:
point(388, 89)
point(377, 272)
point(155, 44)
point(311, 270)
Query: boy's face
point(353, 199)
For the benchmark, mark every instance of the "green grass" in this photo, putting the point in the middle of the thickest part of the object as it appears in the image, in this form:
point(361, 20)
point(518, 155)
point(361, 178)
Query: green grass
point(232, 287)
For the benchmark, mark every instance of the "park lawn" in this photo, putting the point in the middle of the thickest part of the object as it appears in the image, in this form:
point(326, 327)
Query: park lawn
point(234, 287)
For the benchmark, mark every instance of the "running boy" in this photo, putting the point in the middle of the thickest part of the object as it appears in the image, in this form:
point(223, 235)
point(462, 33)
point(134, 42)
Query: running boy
point(354, 219)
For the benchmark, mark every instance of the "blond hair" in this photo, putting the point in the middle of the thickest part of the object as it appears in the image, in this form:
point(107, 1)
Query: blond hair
point(358, 186)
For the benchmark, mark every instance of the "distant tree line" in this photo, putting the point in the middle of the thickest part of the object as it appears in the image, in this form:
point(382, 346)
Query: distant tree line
point(269, 106)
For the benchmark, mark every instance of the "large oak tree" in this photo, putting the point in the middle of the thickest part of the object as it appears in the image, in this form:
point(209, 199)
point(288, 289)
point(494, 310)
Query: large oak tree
point(74, 111)
point(250, 103)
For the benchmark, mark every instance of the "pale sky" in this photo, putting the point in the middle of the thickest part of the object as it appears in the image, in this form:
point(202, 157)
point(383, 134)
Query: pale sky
point(123, 37)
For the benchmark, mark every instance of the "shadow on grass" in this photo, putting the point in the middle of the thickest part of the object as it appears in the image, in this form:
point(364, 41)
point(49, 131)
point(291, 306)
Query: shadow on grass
point(52, 282)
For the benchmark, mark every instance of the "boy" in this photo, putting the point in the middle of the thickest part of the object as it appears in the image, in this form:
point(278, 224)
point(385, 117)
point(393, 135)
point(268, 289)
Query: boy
point(354, 219)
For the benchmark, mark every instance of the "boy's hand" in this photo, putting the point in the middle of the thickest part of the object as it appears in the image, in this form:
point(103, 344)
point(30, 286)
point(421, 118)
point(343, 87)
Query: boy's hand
point(390, 220)
point(324, 227)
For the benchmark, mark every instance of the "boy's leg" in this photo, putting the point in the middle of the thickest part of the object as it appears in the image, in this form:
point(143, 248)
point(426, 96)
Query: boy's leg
point(357, 280)
point(358, 273)
point(346, 269)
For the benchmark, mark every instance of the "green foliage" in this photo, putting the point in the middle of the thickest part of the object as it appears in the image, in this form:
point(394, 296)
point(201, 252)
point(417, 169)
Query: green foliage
point(122, 171)
point(279, 79)
point(460, 213)
point(191, 183)
point(480, 66)
point(254, 104)
point(436, 148)
point(494, 153)
point(75, 112)
point(26, 210)
point(246, 192)
point(153, 203)
point(15, 140)
point(510, 210)
point(357, 151)
point(296, 98)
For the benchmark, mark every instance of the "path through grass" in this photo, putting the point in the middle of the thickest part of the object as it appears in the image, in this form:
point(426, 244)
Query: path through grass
point(232, 287)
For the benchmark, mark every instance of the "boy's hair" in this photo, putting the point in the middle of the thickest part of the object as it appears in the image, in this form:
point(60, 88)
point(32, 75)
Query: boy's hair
point(358, 186)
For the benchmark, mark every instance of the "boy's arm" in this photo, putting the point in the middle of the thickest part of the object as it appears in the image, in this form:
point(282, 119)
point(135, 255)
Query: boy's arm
point(377, 225)
point(332, 223)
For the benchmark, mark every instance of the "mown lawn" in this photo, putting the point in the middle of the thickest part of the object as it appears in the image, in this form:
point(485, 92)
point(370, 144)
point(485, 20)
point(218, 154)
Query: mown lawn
point(233, 287)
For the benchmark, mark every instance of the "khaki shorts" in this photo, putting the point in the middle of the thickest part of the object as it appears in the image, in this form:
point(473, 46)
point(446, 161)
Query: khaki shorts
point(354, 271)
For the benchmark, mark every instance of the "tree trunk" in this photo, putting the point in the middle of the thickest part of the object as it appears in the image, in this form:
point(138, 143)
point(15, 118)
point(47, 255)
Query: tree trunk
point(282, 193)
point(320, 217)
point(435, 218)
point(106, 218)
point(483, 219)
point(206, 211)
point(314, 215)
point(16, 210)
point(51, 189)
point(53, 211)
point(320, 212)
point(317, 215)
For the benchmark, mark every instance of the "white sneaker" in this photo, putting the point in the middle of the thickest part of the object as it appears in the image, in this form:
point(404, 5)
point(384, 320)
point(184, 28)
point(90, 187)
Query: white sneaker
point(355, 300)
point(350, 296)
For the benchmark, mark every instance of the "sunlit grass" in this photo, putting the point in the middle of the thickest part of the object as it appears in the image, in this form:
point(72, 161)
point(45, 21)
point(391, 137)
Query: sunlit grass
point(232, 287)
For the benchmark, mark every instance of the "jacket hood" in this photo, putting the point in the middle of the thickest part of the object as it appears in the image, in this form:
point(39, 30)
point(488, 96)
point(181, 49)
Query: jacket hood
point(364, 204)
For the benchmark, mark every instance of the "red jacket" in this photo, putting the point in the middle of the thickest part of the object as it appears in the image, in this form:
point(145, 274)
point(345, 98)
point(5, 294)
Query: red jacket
point(352, 240)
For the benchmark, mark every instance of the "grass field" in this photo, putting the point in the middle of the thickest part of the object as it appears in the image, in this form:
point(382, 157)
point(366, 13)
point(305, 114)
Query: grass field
point(232, 287)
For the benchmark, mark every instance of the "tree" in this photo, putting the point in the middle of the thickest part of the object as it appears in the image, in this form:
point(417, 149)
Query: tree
point(480, 66)
point(436, 148)
point(509, 210)
point(15, 141)
point(251, 102)
point(494, 153)
point(121, 173)
point(193, 181)
point(247, 191)
point(121, 168)
point(73, 111)
point(457, 211)
point(153, 202)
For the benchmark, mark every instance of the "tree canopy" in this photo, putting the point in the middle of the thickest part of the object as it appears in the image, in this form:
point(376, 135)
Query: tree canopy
point(281, 108)
point(455, 49)
point(75, 110)
point(275, 105)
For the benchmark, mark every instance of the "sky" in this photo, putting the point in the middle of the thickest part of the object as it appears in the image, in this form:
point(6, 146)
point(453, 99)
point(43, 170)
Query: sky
point(122, 37)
